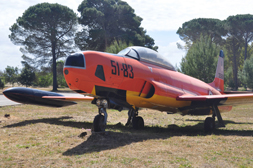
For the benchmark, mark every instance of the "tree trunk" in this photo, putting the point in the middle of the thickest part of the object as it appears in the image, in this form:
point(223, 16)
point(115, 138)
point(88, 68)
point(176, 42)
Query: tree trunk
point(235, 65)
point(246, 48)
point(54, 67)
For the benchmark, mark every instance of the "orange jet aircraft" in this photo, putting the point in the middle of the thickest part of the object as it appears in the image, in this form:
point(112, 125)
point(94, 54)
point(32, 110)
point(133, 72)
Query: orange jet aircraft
point(136, 77)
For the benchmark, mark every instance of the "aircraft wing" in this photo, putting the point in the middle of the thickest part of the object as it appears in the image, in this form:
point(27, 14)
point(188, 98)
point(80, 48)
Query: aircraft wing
point(227, 99)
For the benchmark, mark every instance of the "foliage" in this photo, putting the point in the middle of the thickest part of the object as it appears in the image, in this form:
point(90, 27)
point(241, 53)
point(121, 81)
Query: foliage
point(241, 26)
point(11, 75)
point(235, 35)
point(46, 32)
point(1, 84)
point(1, 73)
point(246, 75)
point(61, 80)
point(43, 79)
point(228, 78)
point(191, 31)
point(233, 47)
point(27, 75)
point(107, 20)
point(200, 61)
point(117, 46)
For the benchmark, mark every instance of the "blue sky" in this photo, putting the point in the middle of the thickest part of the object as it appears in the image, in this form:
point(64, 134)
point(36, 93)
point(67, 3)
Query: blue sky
point(161, 19)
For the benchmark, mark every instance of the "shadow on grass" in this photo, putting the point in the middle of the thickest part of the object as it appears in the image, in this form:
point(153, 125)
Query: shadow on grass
point(118, 135)
point(55, 121)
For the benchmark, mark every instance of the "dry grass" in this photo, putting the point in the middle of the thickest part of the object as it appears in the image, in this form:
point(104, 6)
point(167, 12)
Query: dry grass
point(36, 136)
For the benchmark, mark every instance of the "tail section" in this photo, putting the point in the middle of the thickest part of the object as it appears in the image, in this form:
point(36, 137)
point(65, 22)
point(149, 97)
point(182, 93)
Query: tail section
point(218, 82)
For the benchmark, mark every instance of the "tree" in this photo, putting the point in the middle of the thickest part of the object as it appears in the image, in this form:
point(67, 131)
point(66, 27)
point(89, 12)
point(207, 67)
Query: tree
point(246, 75)
point(27, 75)
point(191, 31)
point(242, 26)
point(233, 46)
point(11, 75)
point(61, 80)
point(116, 47)
point(200, 60)
point(46, 32)
point(107, 20)
point(1, 84)
point(43, 79)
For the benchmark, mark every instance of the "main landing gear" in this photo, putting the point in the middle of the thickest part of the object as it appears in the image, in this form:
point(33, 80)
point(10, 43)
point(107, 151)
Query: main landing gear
point(100, 120)
point(209, 124)
point(134, 119)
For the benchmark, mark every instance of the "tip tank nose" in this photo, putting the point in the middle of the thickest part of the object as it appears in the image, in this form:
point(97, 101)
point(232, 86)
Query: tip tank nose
point(34, 96)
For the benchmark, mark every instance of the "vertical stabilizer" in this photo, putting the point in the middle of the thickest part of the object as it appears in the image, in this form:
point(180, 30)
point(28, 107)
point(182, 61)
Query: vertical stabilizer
point(218, 82)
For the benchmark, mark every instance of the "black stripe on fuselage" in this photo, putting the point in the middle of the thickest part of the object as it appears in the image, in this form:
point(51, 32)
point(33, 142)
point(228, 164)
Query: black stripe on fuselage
point(79, 91)
point(116, 96)
point(111, 93)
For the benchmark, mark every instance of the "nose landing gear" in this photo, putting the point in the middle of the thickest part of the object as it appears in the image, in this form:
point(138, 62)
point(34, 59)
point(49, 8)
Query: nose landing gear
point(100, 120)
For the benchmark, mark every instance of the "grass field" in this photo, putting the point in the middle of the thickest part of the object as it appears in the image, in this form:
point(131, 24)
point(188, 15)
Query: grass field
point(35, 136)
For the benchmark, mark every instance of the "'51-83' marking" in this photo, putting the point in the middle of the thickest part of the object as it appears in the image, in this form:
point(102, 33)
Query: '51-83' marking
point(127, 69)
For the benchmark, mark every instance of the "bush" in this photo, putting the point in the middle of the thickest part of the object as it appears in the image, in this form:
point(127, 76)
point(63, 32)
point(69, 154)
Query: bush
point(61, 81)
point(43, 80)
point(1, 84)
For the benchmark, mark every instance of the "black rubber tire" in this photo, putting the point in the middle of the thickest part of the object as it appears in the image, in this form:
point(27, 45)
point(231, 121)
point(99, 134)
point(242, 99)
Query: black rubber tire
point(209, 124)
point(138, 123)
point(98, 123)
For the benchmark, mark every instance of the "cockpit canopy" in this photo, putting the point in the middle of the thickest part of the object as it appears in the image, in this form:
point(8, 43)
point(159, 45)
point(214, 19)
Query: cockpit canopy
point(147, 55)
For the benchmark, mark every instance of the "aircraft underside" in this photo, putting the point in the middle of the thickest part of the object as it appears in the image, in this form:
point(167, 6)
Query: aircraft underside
point(107, 98)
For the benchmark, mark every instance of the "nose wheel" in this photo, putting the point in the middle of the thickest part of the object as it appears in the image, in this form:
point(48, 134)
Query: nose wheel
point(99, 122)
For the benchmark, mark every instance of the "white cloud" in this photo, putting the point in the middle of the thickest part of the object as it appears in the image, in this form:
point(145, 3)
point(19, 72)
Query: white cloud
point(171, 14)
point(172, 52)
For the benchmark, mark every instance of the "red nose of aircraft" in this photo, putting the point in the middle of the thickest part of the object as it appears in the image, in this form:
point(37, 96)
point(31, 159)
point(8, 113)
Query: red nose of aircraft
point(74, 70)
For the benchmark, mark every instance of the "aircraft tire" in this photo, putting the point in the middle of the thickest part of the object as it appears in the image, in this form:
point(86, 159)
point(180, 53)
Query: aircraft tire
point(209, 124)
point(138, 123)
point(98, 123)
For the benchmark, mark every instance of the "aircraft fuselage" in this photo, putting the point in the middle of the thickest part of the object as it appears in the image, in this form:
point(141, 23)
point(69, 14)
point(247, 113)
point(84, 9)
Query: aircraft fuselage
point(138, 83)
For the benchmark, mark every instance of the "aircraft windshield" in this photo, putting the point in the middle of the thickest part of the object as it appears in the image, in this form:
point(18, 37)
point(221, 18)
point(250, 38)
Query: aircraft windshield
point(129, 53)
point(147, 55)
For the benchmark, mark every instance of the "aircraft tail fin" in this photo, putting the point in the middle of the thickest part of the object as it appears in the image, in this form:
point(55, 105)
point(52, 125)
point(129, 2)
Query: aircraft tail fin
point(218, 82)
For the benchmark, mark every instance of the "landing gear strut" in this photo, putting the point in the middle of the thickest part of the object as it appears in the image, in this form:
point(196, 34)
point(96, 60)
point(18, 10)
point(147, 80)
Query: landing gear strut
point(134, 119)
point(209, 124)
